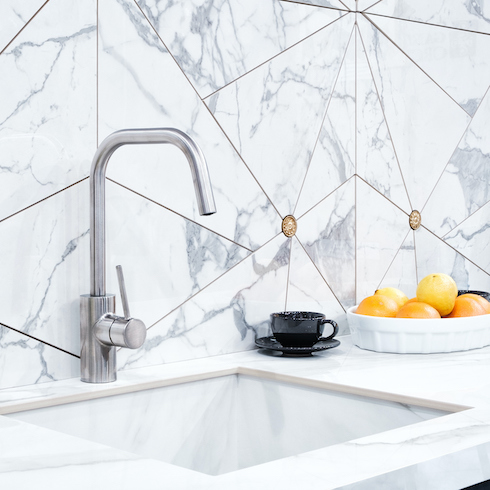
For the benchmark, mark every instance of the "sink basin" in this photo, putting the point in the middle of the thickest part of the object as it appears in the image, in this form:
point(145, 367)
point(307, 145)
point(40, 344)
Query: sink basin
point(227, 423)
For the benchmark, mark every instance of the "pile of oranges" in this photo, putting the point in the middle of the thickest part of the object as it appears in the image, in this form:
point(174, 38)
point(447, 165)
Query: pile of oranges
point(436, 297)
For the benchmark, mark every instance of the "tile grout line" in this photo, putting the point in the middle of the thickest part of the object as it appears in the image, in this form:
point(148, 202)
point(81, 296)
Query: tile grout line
point(384, 117)
point(276, 55)
point(39, 340)
point(442, 237)
point(321, 275)
point(415, 63)
point(43, 199)
point(394, 257)
point(356, 154)
point(455, 250)
point(212, 282)
point(465, 132)
point(424, 23)
point(178, 214)
point(209, 111)
point(299, 2)
point(289, 271)
point(322, 124)
point(23, 27)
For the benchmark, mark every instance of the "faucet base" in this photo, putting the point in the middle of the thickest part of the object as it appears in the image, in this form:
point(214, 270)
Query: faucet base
point(97, 361)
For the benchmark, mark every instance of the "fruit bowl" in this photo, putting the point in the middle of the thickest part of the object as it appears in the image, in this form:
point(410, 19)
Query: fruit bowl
point(418, 336)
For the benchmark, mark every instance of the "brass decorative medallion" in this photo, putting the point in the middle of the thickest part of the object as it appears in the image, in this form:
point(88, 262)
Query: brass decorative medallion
point(289, 226)
point(415, 219)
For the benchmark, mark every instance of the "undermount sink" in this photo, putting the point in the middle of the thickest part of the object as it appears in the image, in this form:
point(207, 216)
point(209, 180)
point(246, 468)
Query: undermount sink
point(227, 423)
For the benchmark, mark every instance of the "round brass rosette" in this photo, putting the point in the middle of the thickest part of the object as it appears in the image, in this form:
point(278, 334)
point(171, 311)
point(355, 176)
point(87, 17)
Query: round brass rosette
point(289, 226)
point(415, 220)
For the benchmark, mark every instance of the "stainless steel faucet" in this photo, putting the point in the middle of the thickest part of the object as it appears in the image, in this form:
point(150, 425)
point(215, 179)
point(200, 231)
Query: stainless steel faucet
point(101, 331)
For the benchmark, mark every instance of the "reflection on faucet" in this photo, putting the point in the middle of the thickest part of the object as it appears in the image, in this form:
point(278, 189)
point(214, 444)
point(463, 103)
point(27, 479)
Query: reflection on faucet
point(101, 331)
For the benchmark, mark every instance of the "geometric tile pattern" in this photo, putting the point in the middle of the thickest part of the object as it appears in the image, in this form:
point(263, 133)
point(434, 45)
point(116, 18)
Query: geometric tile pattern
point(347, 114)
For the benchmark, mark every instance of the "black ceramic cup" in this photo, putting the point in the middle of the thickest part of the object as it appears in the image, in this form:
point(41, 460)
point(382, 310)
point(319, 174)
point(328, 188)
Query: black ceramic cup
point(300, 328)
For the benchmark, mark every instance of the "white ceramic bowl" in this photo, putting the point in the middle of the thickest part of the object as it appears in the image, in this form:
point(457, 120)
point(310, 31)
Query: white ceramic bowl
point(418, 336)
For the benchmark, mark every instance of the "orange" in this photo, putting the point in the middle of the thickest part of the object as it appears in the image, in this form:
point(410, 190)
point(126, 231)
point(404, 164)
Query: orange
point(411, 300)
point(466, 306)
point(416, 309)
point(481, 300)
point(378, 305)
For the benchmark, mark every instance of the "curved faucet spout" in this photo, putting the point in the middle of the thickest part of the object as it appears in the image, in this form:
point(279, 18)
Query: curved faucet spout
point(200, 176)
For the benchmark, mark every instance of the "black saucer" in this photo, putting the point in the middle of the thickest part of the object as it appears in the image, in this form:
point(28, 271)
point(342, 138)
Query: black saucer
point(272, 344)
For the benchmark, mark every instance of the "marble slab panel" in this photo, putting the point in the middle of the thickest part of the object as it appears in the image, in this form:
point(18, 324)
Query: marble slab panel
point(327, 232)
point(434, 255)
point(166, 258)
point(308, 291)
point(472, 237)
point(224, 317)
point(47, 110)
point(26, 361)
point(425, 124)
point(140, 85)
point(45, 266)
point(402, 273)
point(274, 113)
point(14, 16)
point(216, 41)
point(455, 59)
point(381, 228)
point(366, 4)
point(333, 160)
point(377, 162)
point(463, 187)
point(472, 15)
point(334, 4)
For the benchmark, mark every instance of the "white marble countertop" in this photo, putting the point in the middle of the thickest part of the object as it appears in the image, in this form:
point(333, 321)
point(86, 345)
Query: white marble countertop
point(446, 452)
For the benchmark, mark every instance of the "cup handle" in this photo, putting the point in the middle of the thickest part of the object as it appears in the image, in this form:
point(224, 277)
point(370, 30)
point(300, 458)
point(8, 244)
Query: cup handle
point(335, 329)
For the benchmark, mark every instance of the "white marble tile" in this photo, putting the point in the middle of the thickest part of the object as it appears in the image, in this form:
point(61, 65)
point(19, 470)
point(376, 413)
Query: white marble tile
point(381, 229)
point(434, 255)
point(333, 160)
point(327, 232)
point(217, 41)
point(166, 258)
point(47, 110)
point(140, 85)
point(308, 291)
point(474, 15)
point(26, 361)
point(463, 187)
point(377, 162)
point(225, 317)
point(45, 252)
point(333, 4)
point(456, 60)
point(14, 16)
point(274, 113)
point(425, 124)
point(366, 4)
point(402, 273)
point(472, 238)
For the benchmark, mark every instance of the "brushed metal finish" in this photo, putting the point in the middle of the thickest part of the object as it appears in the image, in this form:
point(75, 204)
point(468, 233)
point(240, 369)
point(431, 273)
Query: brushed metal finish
point(101, 331)
point(200, 177)
point(98, 360)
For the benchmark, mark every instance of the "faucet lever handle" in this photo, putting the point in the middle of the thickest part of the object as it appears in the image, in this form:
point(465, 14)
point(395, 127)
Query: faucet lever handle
point(122, 290)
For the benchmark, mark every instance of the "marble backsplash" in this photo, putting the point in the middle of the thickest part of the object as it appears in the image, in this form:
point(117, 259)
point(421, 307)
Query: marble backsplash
point(346, 114)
